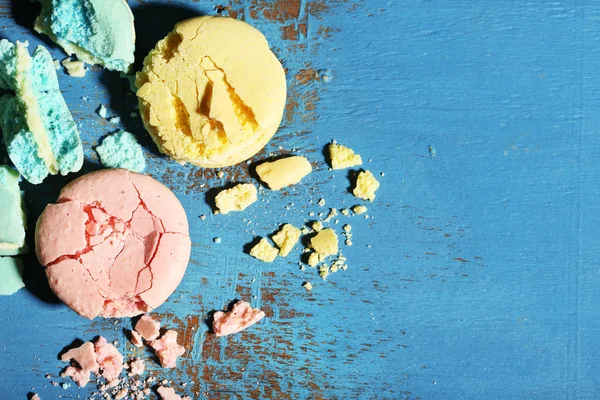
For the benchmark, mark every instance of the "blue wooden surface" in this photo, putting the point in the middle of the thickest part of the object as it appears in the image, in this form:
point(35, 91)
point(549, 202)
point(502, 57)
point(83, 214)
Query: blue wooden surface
point(476, 278)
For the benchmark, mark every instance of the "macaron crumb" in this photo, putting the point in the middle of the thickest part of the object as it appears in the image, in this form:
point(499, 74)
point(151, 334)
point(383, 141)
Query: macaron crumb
point(74, 68)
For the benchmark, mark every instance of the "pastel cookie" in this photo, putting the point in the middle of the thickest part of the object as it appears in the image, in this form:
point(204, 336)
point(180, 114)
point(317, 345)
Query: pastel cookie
point(12, 215)
point(212, 93)
point(96, 31)
point(116, 244)
point(122, 150)
point(39, 132)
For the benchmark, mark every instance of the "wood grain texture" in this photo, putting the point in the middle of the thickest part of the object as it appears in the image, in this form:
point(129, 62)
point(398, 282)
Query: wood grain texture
point(477, 275)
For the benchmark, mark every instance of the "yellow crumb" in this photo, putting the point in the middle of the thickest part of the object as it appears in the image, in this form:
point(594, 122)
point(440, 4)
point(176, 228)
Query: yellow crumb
point(359, 210)
point(366, 185)
point(286, 239)
point(284, 172)
point(343, 157)
point(325, 242)
point(264, 251)
point(238, 198)
point(314, 259)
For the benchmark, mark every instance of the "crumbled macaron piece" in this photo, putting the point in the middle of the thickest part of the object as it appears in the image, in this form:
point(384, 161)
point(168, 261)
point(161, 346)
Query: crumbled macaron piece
point(167, 349)
point(343, 157)
point(316, 226)
point(168, 393)
point(109, 359)
point(286, 239)
point(11, 275)
point(148, 328)
point(321, 203)
point(137, 366)
point(339, 263)
point(238, 198)
point(209, 98)
point(314, 259)
point(35, 397)
point(122, 150)
point(85, 362)
point(39, 132)
point(241, 316)
point(264, 251)
point(358, 210)
point(97, 31)
point(12, 215)
point(366, 185)
point(74, 68)
point(283, 172)
point(308, 286)
point(325, 242)
point(345, 211)
point(102, 111)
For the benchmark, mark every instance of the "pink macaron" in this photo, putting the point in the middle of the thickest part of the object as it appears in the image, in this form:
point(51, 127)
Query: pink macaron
point(116, 244)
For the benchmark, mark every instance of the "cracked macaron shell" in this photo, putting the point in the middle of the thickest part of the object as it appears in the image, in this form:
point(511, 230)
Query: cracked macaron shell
point(212, 93)
point(115, 244)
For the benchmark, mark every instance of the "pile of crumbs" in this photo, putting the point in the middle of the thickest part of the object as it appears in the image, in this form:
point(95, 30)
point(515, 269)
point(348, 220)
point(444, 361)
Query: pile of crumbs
point(104, 360)
point(323, 251)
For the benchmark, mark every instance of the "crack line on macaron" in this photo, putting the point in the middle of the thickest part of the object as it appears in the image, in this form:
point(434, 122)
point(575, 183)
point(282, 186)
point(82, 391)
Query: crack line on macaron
point(143, 204)
point(88, 209)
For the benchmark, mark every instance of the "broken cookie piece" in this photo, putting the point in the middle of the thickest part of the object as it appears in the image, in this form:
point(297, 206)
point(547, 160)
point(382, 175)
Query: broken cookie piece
point(238, 198)
point(286, 239)
point(209, 98)
point(147, 328)
point(264, 251)
point(167, 349)
point(358, 209)
point(75, 68)
point(343, 157)
point(283, 172)
point(116, 244)
point(109, 359)
point(241, 316)
point(121, 150)
point(366, 185)
point(325, 242)
point(137, 367)
point(85, 362)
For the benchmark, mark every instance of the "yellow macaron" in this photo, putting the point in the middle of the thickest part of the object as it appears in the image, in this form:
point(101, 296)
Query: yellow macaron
point(212, 93)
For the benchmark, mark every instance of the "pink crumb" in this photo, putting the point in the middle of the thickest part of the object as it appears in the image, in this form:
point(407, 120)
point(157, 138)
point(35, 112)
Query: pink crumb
point(167, 349)
point(168, 393)
point(136, 339)
point(120, 394)
point(148, 328)
point(239, 318)
point(35, 397)
point(86, 362)
point(109, 359)
point(137, 366)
